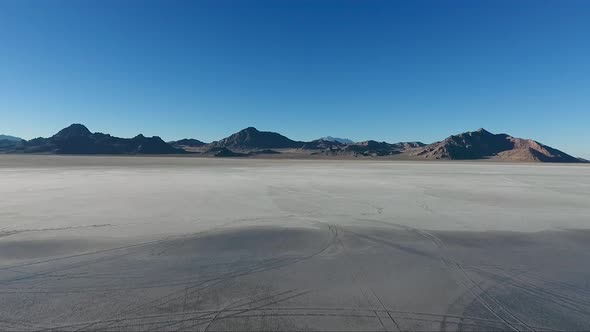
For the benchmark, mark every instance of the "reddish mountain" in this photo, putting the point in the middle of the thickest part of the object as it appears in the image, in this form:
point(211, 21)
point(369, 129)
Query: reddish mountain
point(482, 144)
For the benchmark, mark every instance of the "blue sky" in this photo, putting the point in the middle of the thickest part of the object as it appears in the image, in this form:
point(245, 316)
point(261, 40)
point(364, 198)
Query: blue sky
point(385, 70)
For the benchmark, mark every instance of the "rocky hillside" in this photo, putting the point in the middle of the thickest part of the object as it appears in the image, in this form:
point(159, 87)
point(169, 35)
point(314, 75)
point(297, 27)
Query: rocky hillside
point(482, 144)
point(367, 148)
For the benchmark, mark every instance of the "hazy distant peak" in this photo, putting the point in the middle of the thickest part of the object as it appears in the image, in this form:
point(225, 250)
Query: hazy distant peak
point(10, 138)
point(190, 142)
point(337, 139)
point(321, 144)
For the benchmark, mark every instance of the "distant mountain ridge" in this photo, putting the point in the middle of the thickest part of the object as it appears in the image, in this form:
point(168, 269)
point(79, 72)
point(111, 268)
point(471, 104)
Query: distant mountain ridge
point(320, 144)
point(368, 148)
point(77, 139)
point(10, 138)
point(249, 142)
point(189, 142)
point(337, 139)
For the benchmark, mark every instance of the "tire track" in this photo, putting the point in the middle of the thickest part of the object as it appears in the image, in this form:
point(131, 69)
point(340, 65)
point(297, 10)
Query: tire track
point(251, 309)
point(180, 282)
point(546, 295)
point(316, 311)
point(457, 301)
point(194, 289)
point(543, 279)
point(229, 307)
point(199, 286)
point(165, 242)
point(474, 326)
point(387, 311)
point(199, 314)
point(125, 247)
point(467, 280)
point(450, 265)
point(354, 279)
point(361, 272)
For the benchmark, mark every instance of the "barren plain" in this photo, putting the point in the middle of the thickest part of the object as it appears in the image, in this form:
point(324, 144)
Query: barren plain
point(167, 243)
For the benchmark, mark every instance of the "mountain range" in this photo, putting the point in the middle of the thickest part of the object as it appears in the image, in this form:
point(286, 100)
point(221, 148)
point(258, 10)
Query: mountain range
point(249, 142)
point(77, 139)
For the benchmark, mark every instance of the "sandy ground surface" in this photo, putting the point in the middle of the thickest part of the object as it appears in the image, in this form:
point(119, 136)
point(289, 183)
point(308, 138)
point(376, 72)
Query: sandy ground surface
point(133, 243)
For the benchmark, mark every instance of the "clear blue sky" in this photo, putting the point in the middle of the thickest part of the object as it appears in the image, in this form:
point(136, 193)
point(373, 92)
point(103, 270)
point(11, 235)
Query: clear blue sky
point(384, 70)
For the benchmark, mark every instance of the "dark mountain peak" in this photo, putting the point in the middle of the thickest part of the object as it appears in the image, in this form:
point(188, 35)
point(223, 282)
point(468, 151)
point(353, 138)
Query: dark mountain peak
point(77, 139)
point(250, 130)
point(471, 135)
point(252, 138)
point(74, 130)
point(483, 131)
point(480, 135)
point(468, 145)
point(153, 145)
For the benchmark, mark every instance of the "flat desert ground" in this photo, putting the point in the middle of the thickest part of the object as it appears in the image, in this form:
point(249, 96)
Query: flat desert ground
point(165, 243)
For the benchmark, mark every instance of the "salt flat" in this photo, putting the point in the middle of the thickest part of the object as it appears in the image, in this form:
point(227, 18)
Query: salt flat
point(167, 243)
